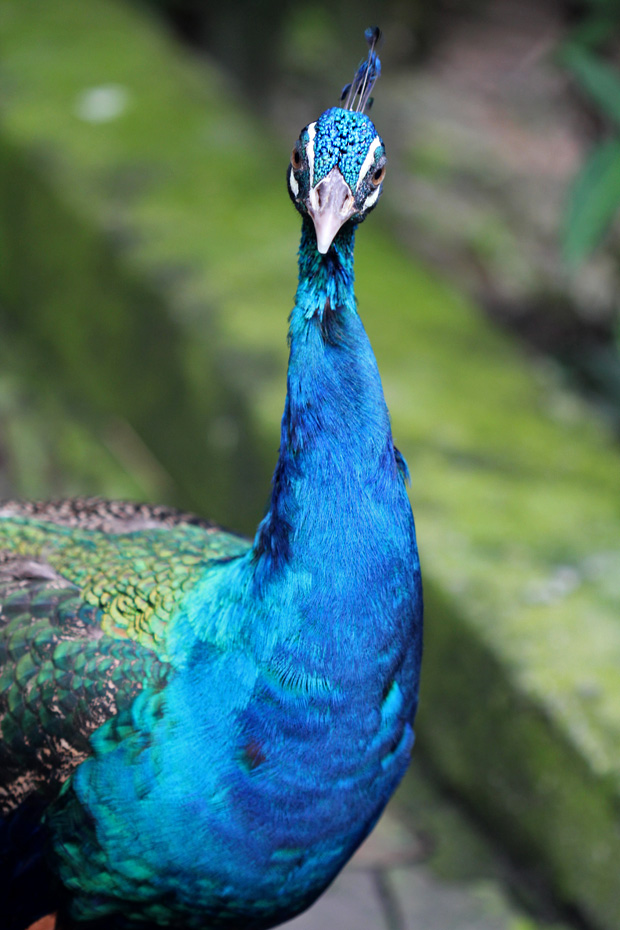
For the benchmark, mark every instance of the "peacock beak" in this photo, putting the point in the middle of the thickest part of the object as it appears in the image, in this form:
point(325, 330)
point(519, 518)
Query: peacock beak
point(330, 205)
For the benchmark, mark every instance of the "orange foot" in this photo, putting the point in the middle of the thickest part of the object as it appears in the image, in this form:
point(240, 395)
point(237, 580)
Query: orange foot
point(44, 923)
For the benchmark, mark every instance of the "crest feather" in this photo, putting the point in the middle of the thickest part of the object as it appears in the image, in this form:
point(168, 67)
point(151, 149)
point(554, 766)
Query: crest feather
point(357, 93)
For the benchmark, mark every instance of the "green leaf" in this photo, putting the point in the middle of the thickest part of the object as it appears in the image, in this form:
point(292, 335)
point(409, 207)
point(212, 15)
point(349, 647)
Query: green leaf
point(598, 79)
point(592, 202)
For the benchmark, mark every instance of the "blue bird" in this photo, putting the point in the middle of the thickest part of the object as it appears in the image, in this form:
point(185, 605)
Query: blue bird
point(198, 731)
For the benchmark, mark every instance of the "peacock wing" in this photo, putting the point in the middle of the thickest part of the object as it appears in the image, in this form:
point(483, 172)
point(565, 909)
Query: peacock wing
point(87, 591)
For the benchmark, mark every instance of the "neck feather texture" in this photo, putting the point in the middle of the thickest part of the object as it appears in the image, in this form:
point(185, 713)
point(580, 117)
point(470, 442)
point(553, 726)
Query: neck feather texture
point(336, 445)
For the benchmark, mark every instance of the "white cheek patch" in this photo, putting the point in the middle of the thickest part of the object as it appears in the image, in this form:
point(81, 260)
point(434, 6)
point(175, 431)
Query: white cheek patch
point(310, 150)
point(369, 160)
point(292, 181)
point(372, 198)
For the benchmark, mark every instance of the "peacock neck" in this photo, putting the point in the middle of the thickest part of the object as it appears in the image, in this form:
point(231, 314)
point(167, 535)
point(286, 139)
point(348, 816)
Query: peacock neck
point(335, 555)
point(336, 443)
point(325, 285)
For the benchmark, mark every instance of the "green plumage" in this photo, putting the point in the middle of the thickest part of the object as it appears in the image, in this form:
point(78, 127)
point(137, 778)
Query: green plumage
point(86, 591)
point(131, 575)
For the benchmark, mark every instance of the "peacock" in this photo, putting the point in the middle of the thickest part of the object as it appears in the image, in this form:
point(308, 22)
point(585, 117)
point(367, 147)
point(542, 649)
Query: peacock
point(198, 730)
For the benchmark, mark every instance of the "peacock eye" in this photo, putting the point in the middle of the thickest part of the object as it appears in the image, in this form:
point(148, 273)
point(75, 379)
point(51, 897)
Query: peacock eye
point(296, 159)
point(377, 176)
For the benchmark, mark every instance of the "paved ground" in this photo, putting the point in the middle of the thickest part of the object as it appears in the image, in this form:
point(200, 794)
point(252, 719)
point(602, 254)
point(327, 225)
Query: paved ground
point(443, 876)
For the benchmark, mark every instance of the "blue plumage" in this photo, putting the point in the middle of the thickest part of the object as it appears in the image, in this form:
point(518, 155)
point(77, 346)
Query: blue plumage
point(240, 753)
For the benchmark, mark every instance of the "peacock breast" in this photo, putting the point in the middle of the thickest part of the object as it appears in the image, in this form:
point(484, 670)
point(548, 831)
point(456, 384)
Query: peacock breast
point(254, 777)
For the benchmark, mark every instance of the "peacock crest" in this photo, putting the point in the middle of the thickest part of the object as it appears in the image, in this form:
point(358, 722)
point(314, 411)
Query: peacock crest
point(358, 92)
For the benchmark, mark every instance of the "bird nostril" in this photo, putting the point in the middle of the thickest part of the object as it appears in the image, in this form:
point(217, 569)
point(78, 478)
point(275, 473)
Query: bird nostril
point(347, 206)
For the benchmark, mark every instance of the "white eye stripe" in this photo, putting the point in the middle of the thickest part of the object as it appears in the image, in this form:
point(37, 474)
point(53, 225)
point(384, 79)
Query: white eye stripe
point(372, 198)
point(292, 180)
point(310, 150)
point(369, 160)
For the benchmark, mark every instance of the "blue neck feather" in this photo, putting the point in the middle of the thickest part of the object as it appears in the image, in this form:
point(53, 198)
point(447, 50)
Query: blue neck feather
point(335, 428)
point(324, 280)
point(339, 533)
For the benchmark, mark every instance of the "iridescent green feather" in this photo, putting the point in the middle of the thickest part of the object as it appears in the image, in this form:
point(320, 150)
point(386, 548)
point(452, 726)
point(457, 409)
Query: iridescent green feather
point(134, 580)
point(85, 603)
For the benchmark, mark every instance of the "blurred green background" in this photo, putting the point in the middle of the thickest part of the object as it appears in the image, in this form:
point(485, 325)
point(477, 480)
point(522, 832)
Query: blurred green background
point(147, 269)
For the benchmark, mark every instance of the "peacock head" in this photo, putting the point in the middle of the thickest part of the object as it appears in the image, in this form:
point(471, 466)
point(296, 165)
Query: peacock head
point(338, 163)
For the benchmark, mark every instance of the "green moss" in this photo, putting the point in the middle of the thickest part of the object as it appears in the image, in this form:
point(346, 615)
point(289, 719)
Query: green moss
point(104, 324)
point(502, 748)
point(48, 449)
point(431, 158)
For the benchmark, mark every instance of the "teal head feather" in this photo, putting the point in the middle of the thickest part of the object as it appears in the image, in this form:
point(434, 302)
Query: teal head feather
point(338, 163)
